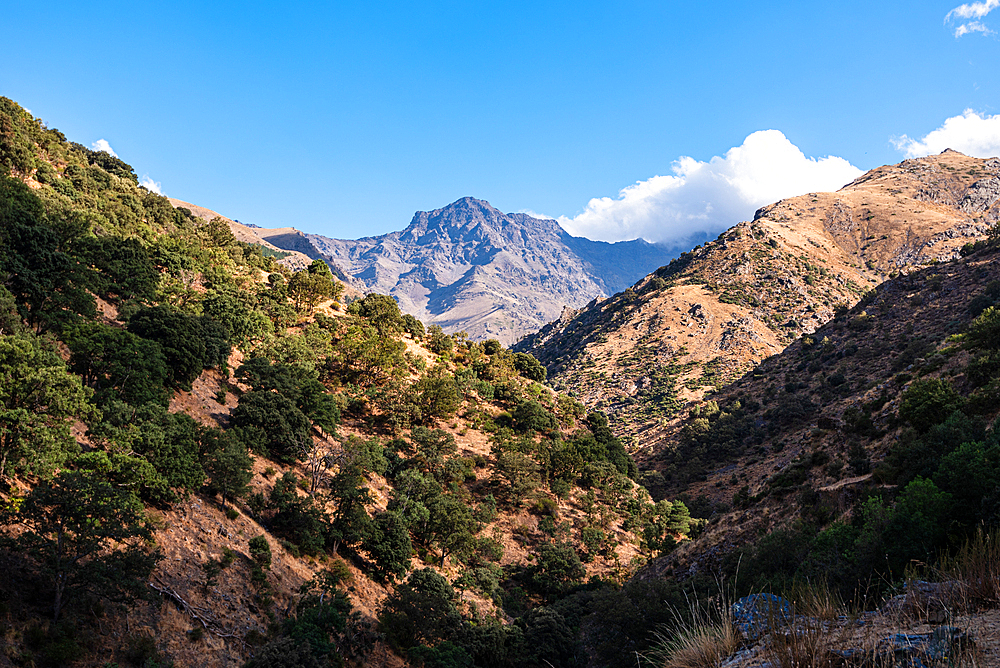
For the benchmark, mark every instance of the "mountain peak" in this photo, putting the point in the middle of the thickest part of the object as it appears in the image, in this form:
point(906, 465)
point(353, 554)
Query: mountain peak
point(470, 215)
point(468, 266)
point(465, 208)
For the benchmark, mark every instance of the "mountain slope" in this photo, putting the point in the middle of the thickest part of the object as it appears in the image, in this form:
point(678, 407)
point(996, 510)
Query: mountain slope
point(888, 395)
point(181, 424)
point(713, 313)
point(470, 267)
point(291, 258)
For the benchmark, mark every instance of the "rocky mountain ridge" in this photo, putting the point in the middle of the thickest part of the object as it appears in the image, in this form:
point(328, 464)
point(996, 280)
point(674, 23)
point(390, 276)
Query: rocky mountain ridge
point(715, 312)
point(468, 266)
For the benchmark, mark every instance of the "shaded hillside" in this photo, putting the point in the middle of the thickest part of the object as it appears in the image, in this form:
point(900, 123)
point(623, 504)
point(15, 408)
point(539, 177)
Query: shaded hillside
point(713, 313)
point(861, 450)
point(468, 267)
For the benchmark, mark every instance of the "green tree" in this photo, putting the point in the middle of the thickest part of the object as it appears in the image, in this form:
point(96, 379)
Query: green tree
point(557, 569)
point(549, 642)
point(272, 425)
point(892, 536)
point(299, 384)
point(926, 403)
point(39, 398)
point(519, 471)
point(388, 545)
point(10, 319)
point(171, 442)
point(124, 268)
point(348, 488)
point(421, 611)
point(439, 342)
point(298, 518)
point(971, 474)
point(451, 525)
point(16, 145)
point(363, 357)
point(321, 615)
point(246, 325)
point(309, 287)
point(529, 367)
point(128, 472)
point(985, 330)
point(49, 285)
point(381, 311)
point(229, 467)
point(413, 327)
point(190, 343)
point(260, 552)
point(118, 364)
point(665, 521)
point(85, 534)
point(437, 394)
point(532, 416)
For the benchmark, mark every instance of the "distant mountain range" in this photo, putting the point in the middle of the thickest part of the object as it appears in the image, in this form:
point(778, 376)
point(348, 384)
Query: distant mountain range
point(468, 266)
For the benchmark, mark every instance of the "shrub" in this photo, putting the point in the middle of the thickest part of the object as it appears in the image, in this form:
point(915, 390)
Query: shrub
point(926, 403)
point(532, 416)
point(985, 330)
point(421, 611)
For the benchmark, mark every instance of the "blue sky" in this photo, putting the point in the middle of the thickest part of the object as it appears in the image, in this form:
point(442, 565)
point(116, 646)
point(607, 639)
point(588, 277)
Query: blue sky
point(343, 118)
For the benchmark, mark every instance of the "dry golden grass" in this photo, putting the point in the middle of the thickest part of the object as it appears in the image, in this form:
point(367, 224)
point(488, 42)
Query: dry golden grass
point(976, 566)
point(701, 646)
point(703, 637)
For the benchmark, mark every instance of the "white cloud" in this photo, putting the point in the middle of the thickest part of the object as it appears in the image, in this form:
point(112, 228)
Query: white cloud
point(535, 214)
point(969, 133)
point(151, 185)
point(972, 10)
point(103, 145)
point(708, 197)
point(972, 26)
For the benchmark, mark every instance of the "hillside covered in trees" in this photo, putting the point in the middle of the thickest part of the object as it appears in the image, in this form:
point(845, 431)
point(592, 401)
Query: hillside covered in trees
point(206, 459)
point(211, 459)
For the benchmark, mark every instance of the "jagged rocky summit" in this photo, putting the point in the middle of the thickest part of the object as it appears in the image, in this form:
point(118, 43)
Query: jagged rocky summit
point(468, 266)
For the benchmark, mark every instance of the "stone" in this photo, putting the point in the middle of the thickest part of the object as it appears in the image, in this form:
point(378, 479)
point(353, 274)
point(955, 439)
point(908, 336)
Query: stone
point(756, 614)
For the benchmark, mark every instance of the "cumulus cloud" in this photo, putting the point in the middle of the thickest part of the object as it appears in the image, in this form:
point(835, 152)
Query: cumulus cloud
point(103, 145)
point(975, 11)
point(969, 133)
point(151, 185)
point(708, 197)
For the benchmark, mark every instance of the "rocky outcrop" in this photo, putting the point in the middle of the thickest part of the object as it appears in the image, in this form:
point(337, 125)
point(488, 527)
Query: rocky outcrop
point(469, 267)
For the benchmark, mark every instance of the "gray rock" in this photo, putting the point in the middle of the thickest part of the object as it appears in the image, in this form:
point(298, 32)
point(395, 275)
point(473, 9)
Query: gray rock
point(756, 614)
point(981, 195)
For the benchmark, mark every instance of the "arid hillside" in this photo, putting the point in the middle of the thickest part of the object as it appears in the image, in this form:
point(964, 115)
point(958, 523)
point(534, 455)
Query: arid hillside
point(857, 470)
point(713, 313)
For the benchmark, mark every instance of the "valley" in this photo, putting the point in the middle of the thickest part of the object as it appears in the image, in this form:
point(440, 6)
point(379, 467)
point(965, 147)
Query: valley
point(480, 441)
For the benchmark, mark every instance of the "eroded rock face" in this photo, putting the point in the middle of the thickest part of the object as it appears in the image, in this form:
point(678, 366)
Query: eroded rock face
point(469, 267)
point(981, 195)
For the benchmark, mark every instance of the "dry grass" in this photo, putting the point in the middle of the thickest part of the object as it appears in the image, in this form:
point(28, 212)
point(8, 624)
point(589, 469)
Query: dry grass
point(805, 643)
point(824, 636)
point(702, 638)
point(699, 646)
point(976, 566)
point(816, 600)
